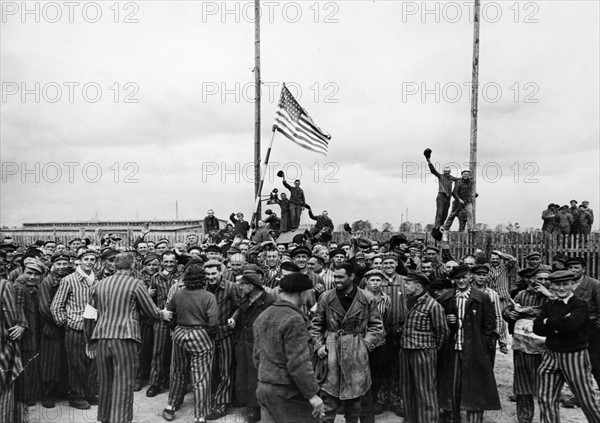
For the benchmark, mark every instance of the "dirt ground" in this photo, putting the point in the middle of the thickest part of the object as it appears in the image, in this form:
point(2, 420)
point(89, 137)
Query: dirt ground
point(148, 410)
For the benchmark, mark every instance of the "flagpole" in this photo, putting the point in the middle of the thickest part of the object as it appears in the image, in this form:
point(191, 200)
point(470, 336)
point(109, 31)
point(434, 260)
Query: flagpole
point(257, 88)
point(474, 102)
point(256, 214)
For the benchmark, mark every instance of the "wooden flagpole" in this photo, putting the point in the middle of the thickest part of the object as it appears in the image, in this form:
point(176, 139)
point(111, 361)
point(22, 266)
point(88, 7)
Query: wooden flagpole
point(474, 102)
point(257, 202)
point(257, 88)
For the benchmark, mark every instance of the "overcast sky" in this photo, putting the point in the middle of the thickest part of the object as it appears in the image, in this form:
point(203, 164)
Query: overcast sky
point(129, 117)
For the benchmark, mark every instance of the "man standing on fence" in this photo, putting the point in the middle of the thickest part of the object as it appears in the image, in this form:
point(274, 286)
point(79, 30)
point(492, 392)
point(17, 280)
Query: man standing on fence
point(463, 199)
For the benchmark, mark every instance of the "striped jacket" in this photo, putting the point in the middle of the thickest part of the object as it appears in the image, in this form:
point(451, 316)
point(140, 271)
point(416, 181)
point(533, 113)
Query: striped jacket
point(425, 326)
point(118, 300)
point(70, 300)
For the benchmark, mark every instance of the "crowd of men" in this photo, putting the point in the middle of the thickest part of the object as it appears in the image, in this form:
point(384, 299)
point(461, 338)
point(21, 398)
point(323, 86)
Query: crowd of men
point(565, 220)
point(293, 332)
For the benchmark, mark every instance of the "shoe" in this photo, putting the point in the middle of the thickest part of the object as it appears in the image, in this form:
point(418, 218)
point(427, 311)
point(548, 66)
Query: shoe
point(48, 403)
point(216, 413)
point(201, 420)
point(512, 398)
point(378, 409)
point(398, 410)
point(168, 414)
point(570, 403)
point(80, 404)
point(153, 391)
point(93, 400)
point(138, 386)
point(31, 403)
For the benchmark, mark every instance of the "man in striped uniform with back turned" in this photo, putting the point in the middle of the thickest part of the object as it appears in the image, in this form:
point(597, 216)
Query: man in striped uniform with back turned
point(112, 320)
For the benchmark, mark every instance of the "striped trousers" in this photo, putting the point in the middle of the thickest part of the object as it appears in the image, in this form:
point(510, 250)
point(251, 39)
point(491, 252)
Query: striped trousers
point(573, 368)
point(160, 352)
point(222, 372)
point(198, 346)
point(525, 383)
point(117, 361)
point(83, 373)
point(53, 359)
point(7, 403)
point(418, 385)
point(145, 354)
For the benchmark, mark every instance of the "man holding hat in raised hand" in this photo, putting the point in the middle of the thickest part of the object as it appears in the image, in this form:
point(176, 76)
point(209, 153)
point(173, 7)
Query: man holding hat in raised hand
point(424, 333)
point(67, 309)
point(565, 323)
point(465, 368)
point(287, 387)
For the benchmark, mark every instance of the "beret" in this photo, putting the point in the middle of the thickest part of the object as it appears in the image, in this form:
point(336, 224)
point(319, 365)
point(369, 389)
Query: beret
point(576, 260)
point(480, 268)
point(319, 258)
point(561, 276)
point(295, 282)
point(289, 266)
point(250, 276)
point(374, 272)
point(459, 271)
point(150, 257)
point(86, 252)
point(60, 256)
point(107, 253)
point(300, 250)
point(418, 277)
point(8, 247)
point(533, 254)
point(432, 247)
point(213, 249)
point(337, 251)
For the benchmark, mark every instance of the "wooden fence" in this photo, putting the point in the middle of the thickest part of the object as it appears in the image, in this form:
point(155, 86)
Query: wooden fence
point(516, 244)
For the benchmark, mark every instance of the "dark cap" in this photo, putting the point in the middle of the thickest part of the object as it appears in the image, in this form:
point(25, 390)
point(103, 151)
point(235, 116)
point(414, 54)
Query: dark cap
point(542, 269)
point(300, 250)
point(432, 247)
point(527, 272)
point(561, 276)
point(480, 268)
point(60, 256)
point(533, 254)
point(86, 252)
point(337, 251)
point(459, 271)
point(289, 266)
point(576, 260)
point(295, 282)
point(250, 276)
point(418, 277)
point(560, 257)
point(213, 249)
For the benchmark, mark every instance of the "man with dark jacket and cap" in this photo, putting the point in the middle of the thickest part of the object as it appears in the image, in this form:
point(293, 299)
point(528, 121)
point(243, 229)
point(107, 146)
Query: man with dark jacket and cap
point(465, 368)
point(565, 323)
point(424, 333)
point(588, 289)
point(586, 218)
point(297, 202)
point(550, 218)
point(254, 301)
point(574, 211)
point(287, 388)
point(445, 181)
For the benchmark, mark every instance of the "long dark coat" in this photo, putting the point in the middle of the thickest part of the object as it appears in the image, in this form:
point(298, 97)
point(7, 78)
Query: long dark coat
point(479, 390)
point(246, 372)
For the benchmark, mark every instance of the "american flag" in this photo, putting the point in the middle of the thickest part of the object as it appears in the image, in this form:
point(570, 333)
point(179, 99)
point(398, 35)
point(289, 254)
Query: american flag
point(293, 122)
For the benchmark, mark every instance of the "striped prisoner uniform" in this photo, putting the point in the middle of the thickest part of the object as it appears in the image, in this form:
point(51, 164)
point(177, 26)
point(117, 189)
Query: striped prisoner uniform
point(147, 333)
point(118, 300)
point(500, 325)
point(228, 298)
point(526, 363)
point(377, 362)
point(10, 357)
point(67, 309)
point(393, 286)
point(498, 280)
point(197, 315)
point(161, 350)
point(53, 353)
point(424, 333)
point(565, 323)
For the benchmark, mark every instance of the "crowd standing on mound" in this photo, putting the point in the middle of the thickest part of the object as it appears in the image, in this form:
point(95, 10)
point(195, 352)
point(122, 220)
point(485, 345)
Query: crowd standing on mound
point(294, 332)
